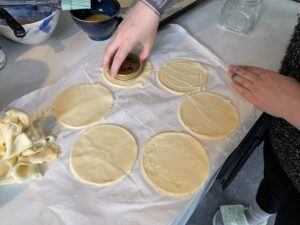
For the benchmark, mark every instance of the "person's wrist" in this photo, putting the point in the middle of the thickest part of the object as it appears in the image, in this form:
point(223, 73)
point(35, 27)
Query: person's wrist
point(143, 5)
point(149, 14)
point(150, 6)
point(293, 115)
point(291, 111)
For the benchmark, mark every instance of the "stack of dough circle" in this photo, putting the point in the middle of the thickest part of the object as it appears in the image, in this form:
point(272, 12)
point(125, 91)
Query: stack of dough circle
point(103, 155)
point(140, 80)
point(83, 105)
point(182, 76)
point(175, 164)
point(208, 115)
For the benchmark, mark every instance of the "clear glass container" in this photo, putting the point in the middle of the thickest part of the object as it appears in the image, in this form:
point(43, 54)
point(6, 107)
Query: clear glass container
point(2, 59)
point(241, 15)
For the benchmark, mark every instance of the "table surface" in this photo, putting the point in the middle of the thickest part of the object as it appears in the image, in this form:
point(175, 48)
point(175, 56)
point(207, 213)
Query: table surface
point(33, 67)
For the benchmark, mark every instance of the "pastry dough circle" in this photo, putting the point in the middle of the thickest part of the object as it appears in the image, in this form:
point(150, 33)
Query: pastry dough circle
point(103, 155)
point(182, 76)
point(83, 105)
point(208, 115)
point(183, 3)
point(175, 164)
point(125, 3)
point(140, 80)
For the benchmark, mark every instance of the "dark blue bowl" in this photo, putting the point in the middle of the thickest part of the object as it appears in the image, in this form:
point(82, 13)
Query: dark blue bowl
point(98, 30)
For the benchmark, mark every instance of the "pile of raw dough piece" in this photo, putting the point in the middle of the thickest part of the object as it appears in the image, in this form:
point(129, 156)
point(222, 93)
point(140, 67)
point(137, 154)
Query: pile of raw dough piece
point(24, 147)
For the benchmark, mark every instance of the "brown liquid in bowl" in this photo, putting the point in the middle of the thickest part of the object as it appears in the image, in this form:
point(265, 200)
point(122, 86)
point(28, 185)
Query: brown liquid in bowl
point(98, 17)
point(26, 21)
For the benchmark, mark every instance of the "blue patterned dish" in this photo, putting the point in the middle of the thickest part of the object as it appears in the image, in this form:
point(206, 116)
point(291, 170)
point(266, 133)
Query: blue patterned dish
point(39, 23)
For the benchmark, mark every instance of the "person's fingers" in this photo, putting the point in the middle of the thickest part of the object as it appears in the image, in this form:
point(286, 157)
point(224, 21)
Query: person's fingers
point(242, 81)
point(231, 72)
point(244, 92)
point(118, 59)
point(108, 55)
point(145, 52)
point(257, 70)
point(245, 67)
point(233, 69)
point(230, 68)
point(233, 75)
point(245, 73)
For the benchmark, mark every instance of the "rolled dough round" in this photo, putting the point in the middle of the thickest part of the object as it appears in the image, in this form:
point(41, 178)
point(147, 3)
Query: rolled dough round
point(208, 115)
point(183, 3)
point(182, 76)
point(125, 3)
point(103, 155)
point(82, 105)
point(140, 80)
point(175, 164)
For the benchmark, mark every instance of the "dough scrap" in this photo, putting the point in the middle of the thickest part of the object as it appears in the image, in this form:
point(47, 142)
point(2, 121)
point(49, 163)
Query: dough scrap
point(175, 164)
point(23, 172)
point(208, 115)
point(103, 155)
point(140, 80)
point(83, 105)
point(23, 147)
point(182, 76)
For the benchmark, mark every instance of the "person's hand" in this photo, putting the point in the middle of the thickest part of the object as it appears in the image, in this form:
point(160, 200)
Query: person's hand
point(271, 92)
point(138, 28)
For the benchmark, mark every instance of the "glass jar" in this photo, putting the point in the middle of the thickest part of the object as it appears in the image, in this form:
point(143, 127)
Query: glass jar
point(241, 15)
point(2, 59)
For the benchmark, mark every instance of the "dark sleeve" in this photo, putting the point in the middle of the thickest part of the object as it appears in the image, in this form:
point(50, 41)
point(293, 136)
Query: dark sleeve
point(159, 6)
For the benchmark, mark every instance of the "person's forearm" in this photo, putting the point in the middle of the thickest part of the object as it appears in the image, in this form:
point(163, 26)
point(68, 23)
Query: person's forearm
point(291, 111)
point(159, 6)
point(293, 116)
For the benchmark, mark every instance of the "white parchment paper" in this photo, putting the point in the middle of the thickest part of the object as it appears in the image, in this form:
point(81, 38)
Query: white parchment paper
point(59, 198)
